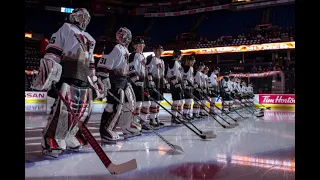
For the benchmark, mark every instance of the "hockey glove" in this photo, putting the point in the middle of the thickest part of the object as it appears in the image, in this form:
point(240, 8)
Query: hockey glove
point(97, 87)
point(50, 72)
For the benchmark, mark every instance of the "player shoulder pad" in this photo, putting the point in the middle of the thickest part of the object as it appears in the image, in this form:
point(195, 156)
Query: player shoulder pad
point(108, 48)
point(131, 57)
point(149, 59)
point(171, 64)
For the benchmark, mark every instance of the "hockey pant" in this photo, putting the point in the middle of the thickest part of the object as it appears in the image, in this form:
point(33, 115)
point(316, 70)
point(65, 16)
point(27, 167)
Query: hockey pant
point(62, 130)
point(177, 107)
point(187, 107)
point(117, 114)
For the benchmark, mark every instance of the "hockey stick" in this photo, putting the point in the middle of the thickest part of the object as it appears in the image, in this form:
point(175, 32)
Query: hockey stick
point(175, 148)
point(202, 136)
point(224, 126)
point(245, 109)
point(112, 168)
point(201, 132)
point(234, 119)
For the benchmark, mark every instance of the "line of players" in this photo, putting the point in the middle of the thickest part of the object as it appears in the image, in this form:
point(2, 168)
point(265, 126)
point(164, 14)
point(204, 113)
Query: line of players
point(68, 69)
point(148, 74)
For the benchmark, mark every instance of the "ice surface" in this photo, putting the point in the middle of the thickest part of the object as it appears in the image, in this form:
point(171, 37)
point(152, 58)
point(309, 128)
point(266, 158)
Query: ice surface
point(259, 148)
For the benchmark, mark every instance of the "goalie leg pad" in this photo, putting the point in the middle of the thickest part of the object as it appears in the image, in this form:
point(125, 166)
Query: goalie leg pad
point(82, 106)
point(110, 117)
point(55, 135)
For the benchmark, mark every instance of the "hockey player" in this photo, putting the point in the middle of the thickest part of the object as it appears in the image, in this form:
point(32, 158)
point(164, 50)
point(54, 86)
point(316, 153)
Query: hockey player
point(213, 89)
point(175, 77)
point(225, 92)
point(197, 90)
point(204, 89)
point(113, 70)
point(188, 80)
point(69, 63)
point(155, 67)
point(139, 80)
point(232, 87)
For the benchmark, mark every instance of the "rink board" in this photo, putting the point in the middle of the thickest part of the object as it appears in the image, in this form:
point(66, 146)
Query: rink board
point(269, 100)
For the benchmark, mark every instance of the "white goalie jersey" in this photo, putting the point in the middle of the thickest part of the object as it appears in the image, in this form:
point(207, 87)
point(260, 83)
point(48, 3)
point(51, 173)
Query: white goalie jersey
point(69, 48)
point(114, 62)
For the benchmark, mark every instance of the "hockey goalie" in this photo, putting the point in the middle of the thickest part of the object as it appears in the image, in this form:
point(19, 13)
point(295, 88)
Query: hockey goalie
point(68, 65)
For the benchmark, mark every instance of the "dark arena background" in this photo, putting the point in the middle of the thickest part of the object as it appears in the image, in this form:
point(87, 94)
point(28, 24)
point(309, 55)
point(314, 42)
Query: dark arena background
point(254, 39)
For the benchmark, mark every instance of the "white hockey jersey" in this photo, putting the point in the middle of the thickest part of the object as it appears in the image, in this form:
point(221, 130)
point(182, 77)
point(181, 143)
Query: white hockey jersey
point(204, 80)
point(250, 89)
point(226, 85)
point(187, 76)
point(115, 62)
point(213, 80)
point(155, 68)
point(73, 49)
point(198, 79)
point(137, 69)
point(237, 87)
point(174, 72)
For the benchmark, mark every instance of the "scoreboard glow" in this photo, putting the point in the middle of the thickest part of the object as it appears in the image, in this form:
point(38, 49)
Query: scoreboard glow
point(66, 10)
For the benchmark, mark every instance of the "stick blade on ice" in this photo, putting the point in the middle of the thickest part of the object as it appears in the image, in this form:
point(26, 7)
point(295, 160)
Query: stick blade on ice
point(123, 168)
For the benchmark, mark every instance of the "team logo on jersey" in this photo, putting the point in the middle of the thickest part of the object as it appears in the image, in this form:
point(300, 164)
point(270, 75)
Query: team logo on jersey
point(84, 42)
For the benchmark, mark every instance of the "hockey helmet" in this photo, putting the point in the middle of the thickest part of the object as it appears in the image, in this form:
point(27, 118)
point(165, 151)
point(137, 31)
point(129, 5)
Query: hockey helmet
point(200, 65)
point(158, 47)
point(137, 40)
point(80, 17)
point(176, 53)
point(124, 36)
point(227, 73)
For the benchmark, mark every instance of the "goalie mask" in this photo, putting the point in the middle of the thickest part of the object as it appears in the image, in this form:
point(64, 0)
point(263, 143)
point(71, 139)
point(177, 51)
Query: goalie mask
point(80, 17)
point(124, 36)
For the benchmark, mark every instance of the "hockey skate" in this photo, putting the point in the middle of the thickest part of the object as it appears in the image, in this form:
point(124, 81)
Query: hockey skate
point(196, 115)
point(202, 114)
point(159, 124)
point(49, 151)
point(174, 122)
point(52, 152)
point(128, 134)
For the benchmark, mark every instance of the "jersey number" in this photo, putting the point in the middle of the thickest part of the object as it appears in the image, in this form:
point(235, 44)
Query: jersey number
point(52, 40)
point(103, 60)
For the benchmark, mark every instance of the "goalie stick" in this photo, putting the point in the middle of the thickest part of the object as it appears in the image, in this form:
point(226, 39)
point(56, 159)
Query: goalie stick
point(112, 168)
point(175, 148)
point(202, 136)
point(201, 132)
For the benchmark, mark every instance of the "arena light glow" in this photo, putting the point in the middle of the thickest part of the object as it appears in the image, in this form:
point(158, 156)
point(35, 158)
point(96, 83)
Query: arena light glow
point(288, 165)
point(228, 49)
point(28, 35)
